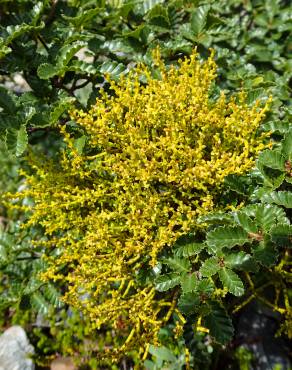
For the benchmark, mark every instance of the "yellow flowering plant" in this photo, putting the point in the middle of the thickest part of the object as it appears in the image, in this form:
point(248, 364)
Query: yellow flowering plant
point(154, 152)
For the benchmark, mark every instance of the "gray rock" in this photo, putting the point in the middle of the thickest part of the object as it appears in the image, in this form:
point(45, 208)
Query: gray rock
point(15, 350)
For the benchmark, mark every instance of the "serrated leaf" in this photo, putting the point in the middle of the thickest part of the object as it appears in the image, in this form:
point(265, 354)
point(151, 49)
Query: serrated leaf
point(237, 184)
point(272, 159)
point(114, 69)
point(188, 283)
point(21, 141)
point(199, 19)
point(166, 282)
point(216, 218)
point(231, 281)
point(219, 323)
point(53, 296)
point(281, 198)
point(226, 236)
point(188, 303)
point(46, 71)
point(265, 253)
point(158, 11)
point(39, 303)
point(245, 222)
point(236, 260)
point(162, 353)
point(6, 101)
point(205, 286)
point(149, 4)
point(32, 286)
point(267, 215)
point(189, 249)
point(270, 180)
point(210, 267)
point(83, 18)
point(3, 254)
point(20, 29)
point(287, 145)
point(179, 265)
point(82, 67)
point(67, 52)
point(281, 235)
point(60, 107)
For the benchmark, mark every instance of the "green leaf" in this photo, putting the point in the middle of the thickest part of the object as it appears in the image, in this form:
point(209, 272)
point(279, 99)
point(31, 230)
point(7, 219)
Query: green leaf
point(245, 222)
point(67, 52)
point(270, 180)
point(3, 254)
point(162, 353)
point(236, 260)
point(267, 215)
point(265, 253)
point(210, 267)
point(219, 323)
point(149, 4)
point(226, 236)
point(83, 18)
point(188, 283)
point(21, 141)
point(281, 198)
point(205, 286)
point(60, 107)
point(158, 11)
point(39, 303)
point(231, 281)
point(80, 143)
point(199, 19)
point(281, 235)
point(20, 29)
point(113, 68)
point(272, 159)
point(46, 71)
point(287, 145)
point(216, 218)
point(7, 101)
point(166, 282)
point(189, 249)
point(179, 265)
point(189, 303)
point(53, 296)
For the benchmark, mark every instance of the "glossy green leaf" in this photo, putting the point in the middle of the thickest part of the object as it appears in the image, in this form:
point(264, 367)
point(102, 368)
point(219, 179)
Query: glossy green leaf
point(281, 235)
point(226, 236)
point(272, 159)
point(188, 283)
point(188, 303)
point(179, 265)
point(210, 267)
point(219, 323)
point(231, 281)
point(287, 146)
point(199, 19)
point(281, 198)
point(162, 353)
point(166, 282)
point(188, 250)
point(46, 71)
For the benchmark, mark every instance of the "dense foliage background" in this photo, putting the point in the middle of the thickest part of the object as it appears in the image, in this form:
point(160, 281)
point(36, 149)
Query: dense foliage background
point(53, 56)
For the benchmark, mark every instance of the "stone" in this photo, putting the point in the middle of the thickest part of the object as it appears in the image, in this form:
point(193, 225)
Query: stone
point(63, 363)
point(15, 350)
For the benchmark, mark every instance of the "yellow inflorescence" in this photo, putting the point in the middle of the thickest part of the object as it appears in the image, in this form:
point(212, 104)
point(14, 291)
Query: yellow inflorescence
point(157, 154)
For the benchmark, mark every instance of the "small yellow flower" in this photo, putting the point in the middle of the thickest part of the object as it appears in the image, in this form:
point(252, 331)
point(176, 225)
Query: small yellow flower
point(160, 153)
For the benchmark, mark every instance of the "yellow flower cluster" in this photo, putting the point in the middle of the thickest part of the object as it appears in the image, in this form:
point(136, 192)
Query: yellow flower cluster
point(158, 151)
